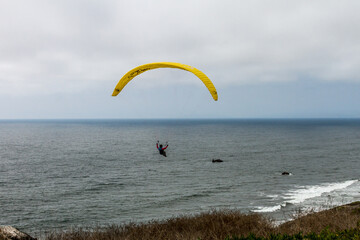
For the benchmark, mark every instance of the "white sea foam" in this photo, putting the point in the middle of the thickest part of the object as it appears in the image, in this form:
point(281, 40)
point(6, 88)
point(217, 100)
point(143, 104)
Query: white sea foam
point(274, 196)
point(301, 194)
point(267, 209)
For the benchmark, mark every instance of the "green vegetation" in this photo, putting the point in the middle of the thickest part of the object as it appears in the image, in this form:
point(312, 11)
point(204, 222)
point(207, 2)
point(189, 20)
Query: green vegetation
point(337, 223)
point(353, 234)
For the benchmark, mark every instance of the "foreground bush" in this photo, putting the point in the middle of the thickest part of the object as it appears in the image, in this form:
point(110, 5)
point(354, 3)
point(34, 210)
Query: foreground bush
point(338, 223)
point(353, 234)
point(336, 219)
point(212, 225)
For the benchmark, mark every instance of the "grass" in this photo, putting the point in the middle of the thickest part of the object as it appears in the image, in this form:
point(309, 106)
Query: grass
point(337, 223)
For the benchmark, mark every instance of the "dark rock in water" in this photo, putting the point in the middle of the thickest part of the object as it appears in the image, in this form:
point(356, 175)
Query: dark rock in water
point(285, 173)
point(11, 233)
point(217, 160)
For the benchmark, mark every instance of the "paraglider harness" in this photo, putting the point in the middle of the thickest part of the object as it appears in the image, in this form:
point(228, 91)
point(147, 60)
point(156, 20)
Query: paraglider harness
point(161, 149)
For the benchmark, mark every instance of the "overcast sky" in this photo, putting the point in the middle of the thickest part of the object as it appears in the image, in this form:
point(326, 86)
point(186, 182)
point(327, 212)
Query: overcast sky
point(267, 59)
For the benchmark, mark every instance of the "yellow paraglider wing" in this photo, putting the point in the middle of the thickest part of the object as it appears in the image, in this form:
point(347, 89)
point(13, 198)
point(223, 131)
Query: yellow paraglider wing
point(143, 68)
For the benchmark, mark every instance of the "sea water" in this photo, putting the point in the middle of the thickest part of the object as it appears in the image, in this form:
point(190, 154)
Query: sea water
point(58, 174)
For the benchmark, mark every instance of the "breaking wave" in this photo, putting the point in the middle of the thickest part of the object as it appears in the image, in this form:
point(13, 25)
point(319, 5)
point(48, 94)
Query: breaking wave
point(303, 193)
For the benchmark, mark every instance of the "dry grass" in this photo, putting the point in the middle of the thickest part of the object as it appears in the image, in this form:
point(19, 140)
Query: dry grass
point(219, 225)
point(336, 219)
point(211, 225)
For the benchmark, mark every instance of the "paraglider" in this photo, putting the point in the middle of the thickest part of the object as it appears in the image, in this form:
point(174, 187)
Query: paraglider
point(150, 66)
point(143, 68)
point(161, 148)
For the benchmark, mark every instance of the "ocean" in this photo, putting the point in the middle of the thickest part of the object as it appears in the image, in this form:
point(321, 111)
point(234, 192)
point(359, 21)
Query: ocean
point(59, 174)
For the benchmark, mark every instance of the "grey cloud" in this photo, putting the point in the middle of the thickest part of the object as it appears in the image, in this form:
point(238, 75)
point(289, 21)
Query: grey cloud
point(69, 43)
